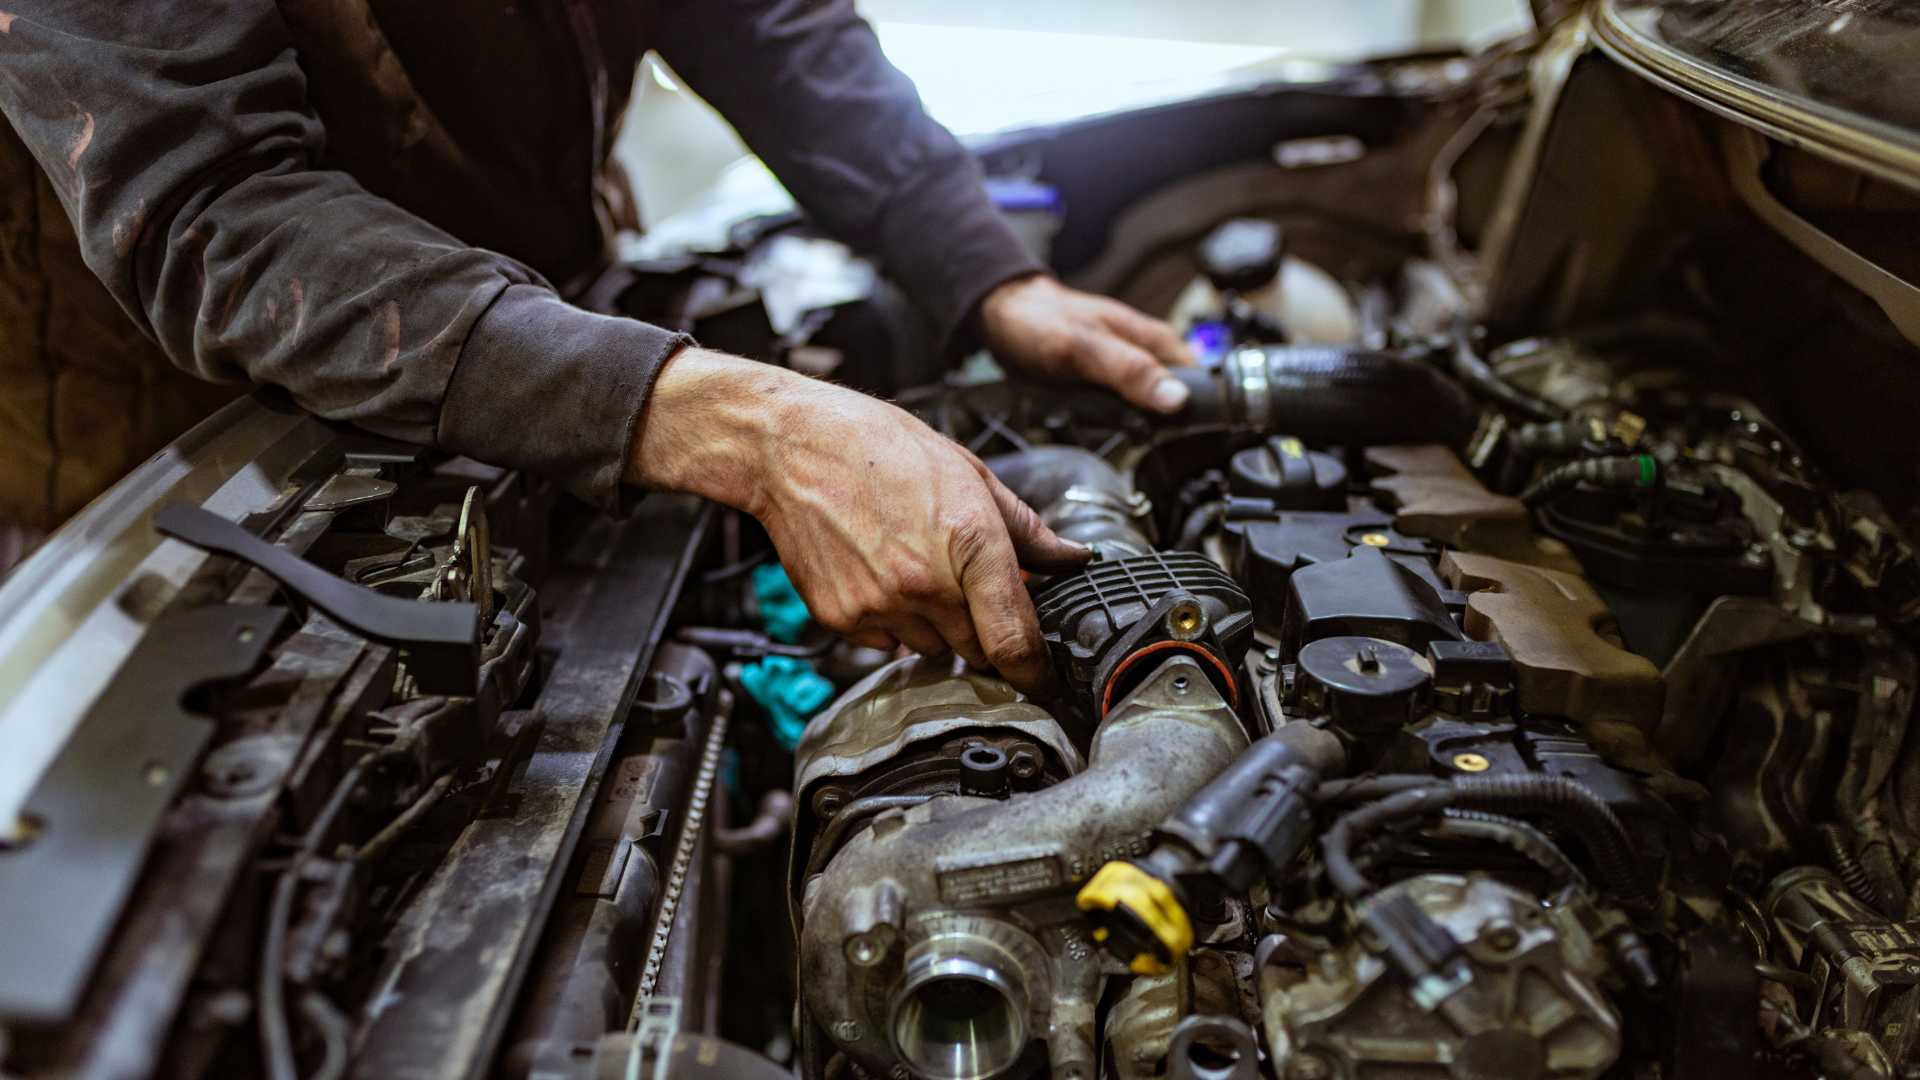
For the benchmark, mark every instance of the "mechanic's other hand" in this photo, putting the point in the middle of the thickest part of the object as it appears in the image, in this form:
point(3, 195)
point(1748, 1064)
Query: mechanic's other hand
point(1043, 327)
point(891, 532)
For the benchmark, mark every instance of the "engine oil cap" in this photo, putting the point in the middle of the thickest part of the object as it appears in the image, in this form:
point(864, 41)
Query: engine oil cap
point(1363, 684)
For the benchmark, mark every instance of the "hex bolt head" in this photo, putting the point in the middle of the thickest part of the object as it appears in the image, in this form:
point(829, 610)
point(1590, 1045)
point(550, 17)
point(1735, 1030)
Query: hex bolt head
point(1309, 1066)
point(1501, 936)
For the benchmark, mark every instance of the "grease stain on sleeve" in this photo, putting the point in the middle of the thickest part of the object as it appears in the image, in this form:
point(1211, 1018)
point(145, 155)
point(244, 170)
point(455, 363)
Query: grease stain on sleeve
point(126, 231)
point(299, 291)
point(390, 320)
point(81, 141)
point(232, 303)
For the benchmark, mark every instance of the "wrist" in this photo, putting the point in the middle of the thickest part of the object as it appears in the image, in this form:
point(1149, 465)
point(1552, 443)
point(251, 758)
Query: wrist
point(991, 310)
point(708, 427)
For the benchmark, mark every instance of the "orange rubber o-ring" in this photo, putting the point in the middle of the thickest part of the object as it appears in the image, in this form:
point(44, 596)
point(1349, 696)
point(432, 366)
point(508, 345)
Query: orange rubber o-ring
point(1233, 685)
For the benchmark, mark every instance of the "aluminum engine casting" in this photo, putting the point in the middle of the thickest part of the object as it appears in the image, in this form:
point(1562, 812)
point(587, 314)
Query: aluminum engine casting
point(944, 936)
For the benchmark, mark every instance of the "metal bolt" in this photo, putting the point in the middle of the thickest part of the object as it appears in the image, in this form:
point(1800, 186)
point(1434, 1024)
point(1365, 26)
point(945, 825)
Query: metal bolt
point(1501, 936)
point(1471, 762)
point(156, 774)
point(829, 801)
point(1185, 620)
point(1024, 764)
point(864, 951)
point(1374, 539)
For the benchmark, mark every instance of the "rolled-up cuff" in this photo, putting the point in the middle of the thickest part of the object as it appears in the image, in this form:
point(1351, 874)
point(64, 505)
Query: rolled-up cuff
point(949, 246)
point(545, 386)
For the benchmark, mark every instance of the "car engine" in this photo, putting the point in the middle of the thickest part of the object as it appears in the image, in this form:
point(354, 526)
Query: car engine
point(1354, 772)
point(1498, 671)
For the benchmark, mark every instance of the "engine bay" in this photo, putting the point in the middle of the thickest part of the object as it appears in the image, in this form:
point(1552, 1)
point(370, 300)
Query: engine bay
point(1457, 691)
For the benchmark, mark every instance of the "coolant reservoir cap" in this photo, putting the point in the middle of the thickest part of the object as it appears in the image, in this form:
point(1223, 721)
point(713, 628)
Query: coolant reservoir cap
point(1364, 684)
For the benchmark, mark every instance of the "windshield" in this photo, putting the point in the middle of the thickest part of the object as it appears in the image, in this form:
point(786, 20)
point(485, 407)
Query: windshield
point(1848, 61)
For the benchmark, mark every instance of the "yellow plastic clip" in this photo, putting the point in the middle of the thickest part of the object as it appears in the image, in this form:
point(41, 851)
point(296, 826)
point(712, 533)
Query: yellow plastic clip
point(1121, 885)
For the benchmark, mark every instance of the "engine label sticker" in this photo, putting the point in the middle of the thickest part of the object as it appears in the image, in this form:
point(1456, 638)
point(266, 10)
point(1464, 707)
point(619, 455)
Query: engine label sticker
point(999, 881)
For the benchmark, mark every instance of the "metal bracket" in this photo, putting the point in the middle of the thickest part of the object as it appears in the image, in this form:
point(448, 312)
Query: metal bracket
point(441, 640)
point(658, 1025)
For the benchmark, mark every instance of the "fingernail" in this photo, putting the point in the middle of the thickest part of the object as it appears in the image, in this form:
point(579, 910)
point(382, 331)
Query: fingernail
point(1169, 394)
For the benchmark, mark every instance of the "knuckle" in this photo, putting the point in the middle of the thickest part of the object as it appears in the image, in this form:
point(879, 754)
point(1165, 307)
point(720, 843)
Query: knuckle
point(1016, 650)
point(835, 618)
point(1064, 345)
point(917, 583)
point(967, 530)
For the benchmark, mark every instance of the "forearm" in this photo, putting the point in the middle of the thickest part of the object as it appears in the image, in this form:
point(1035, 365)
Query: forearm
point(183, 151)
point(805, 82)
point(714, 426)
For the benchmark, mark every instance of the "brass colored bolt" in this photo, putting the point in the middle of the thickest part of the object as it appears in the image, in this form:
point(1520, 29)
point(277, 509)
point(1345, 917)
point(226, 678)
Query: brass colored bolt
point(1375, 539)
point(1471, 762)
point(1185, 621)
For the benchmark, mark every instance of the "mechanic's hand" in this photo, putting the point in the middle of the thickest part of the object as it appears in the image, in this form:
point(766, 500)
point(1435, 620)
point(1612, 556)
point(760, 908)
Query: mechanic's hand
point(891, 532)
point(1043, 327)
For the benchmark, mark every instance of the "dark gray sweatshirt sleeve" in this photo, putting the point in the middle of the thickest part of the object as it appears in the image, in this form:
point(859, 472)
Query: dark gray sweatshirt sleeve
point(805, 83)
point(180, 140)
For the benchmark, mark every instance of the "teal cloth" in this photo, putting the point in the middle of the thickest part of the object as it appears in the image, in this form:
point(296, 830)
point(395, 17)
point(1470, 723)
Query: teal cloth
point(782, 612)
point(790, 691)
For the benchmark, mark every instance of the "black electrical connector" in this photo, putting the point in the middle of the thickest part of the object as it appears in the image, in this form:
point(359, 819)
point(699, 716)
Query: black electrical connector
point(1633, 472)
point(1248, 822)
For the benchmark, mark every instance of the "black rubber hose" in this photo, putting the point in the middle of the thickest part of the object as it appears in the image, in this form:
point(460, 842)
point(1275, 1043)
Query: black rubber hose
point(1568, 802)
point(1337, 843)
point(1574, 805)
point(1363, 789)
point(1480, 377)
point(1840, 856)
point(1877, 859)
point(1525, 840)
point(1204, 517)
point(1330, 395)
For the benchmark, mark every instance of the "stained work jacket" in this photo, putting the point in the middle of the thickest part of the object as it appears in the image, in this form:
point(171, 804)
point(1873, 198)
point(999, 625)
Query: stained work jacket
point(378, 205)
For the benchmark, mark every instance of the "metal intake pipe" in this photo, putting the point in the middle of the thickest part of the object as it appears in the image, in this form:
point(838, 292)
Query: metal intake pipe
point(1079, 496)
point(910, 949)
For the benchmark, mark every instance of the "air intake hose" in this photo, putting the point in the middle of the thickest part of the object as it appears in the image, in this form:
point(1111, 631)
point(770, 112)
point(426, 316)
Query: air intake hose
point(1079, 496)
point(1327, 394)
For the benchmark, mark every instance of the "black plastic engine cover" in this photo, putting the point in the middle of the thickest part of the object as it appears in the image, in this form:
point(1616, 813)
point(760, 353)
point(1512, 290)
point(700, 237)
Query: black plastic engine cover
point(1367, 594)
point(1265, 552)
